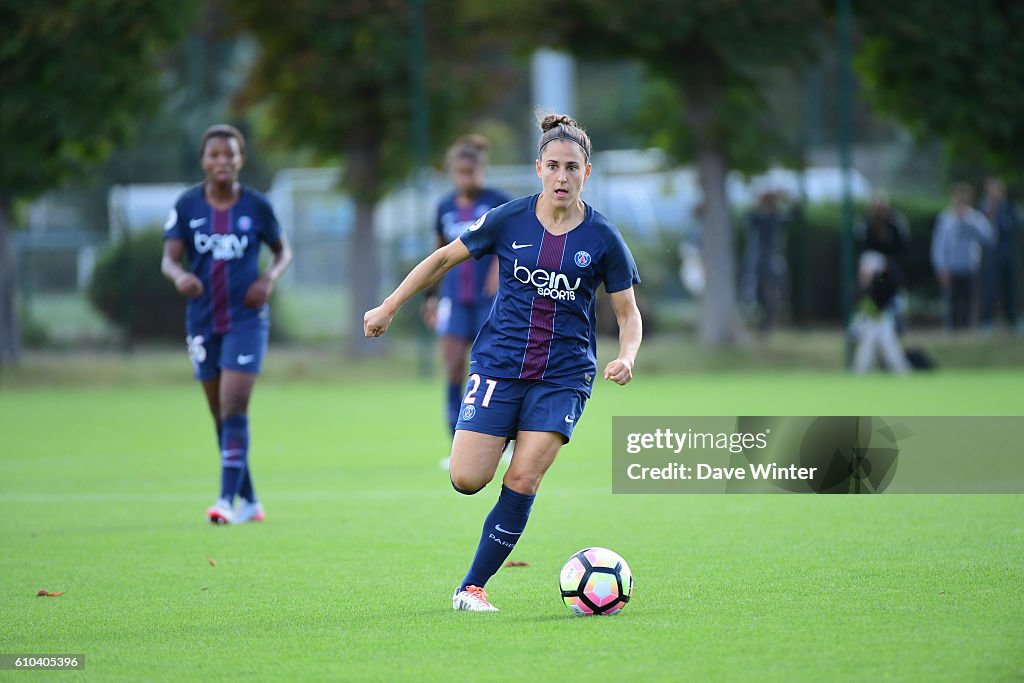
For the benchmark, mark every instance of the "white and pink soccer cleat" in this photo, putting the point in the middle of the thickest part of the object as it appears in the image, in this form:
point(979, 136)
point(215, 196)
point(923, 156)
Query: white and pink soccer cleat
point(249, 512)
point(473, 599)
point(220, 513)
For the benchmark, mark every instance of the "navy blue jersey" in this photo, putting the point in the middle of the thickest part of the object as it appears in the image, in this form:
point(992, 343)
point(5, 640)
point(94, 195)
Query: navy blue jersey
point(466, 283)
point(543, 323)
point(223, 252)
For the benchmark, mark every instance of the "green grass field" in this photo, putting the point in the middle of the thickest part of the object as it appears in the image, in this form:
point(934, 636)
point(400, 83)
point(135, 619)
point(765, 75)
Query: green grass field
point(102, 494)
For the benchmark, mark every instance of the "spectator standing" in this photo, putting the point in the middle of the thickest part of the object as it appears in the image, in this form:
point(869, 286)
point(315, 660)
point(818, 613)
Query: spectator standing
point(765, 262)
point(885, 230)
point(999, 261)
point(875, 322)
point(960, 233)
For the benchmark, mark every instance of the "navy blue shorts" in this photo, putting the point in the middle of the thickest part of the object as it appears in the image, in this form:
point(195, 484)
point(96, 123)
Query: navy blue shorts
point(239, 349)
point(502, 407)
point(461, 320)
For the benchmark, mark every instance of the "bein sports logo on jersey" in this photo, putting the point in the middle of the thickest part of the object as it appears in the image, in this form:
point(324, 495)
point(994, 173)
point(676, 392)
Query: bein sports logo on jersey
point(224, 247)
point(549, 283)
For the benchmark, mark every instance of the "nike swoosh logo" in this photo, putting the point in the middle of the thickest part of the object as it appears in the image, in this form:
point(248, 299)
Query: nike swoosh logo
point(569, 419)
point(245, 360)
point(511, 533)
point(196, 222)
point(520, 246)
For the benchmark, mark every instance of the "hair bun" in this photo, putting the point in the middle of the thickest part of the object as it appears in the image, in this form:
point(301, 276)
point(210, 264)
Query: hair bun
point(552, 120)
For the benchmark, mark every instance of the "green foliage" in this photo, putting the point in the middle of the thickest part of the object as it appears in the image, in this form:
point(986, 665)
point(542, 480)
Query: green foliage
point(76, 77)
point(753, 134)
point(708, 59)
point(34, 334)
point(338, 78)
point(950, 70)
point(130, 291)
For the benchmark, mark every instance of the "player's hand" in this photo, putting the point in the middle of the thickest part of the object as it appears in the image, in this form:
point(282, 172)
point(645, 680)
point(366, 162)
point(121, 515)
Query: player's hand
point(376, 322)
point(258, 293)
point(429, 312)
point(619, 371)
point(189, 285)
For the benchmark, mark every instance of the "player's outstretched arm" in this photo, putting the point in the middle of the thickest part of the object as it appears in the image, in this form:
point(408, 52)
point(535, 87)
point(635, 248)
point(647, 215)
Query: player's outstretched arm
point(431, 269)
point(631, 331)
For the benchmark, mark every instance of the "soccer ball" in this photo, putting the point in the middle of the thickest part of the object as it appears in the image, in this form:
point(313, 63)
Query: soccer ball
point(595, 581)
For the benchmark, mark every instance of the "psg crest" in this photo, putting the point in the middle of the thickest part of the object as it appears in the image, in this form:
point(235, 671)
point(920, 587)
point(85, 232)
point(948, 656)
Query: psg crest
point(582, 259)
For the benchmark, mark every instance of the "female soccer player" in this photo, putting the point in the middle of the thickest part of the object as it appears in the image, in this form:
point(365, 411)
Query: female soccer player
point(533, 363)
point(468, 291)
point(220, 225)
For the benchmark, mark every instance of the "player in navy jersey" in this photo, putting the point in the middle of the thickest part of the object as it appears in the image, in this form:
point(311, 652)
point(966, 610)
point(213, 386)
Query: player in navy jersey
point(466, 293)
point(533, 364)
point(220, 226)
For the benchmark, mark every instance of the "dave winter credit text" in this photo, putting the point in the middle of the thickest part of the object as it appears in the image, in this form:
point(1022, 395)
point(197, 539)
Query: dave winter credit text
point(690, 440)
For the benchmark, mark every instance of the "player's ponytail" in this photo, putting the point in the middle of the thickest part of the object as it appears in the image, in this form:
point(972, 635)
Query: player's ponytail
point(562, 127)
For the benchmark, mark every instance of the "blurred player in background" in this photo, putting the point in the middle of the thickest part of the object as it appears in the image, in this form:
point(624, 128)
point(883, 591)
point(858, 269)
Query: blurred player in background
point(467, 292)
point(534, 361)
point(220, 225)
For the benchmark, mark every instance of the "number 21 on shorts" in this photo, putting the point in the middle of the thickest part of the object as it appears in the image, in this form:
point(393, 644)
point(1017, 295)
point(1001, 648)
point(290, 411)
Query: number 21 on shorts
point(474, 385)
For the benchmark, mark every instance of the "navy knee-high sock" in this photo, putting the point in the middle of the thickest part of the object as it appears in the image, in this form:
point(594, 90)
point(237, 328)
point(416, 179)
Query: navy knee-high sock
point(502, 529)
point(454, 405)
point(245, 491)
point(234, 455)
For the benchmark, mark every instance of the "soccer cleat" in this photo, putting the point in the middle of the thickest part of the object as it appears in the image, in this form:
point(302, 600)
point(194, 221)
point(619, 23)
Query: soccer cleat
point(473, 599)
point(249, 512)
point(220, 513)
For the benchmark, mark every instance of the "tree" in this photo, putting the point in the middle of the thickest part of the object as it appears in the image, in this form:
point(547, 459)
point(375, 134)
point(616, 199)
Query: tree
point(338, 77)
point(75, 77)
point(713, 53)
point(953, 71)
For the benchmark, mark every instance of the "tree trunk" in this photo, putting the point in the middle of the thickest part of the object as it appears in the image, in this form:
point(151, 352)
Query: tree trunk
point(721, 324)
point(362, 171)
point(10, 336)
